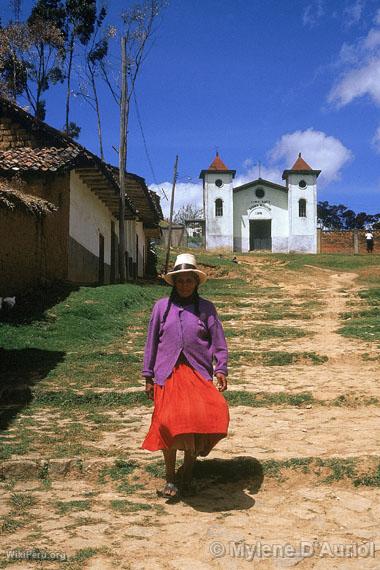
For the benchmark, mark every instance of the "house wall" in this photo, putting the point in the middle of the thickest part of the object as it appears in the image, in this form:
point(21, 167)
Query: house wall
point(35, 251)
point(89, 218)
point(141, 254)
point(273, 206)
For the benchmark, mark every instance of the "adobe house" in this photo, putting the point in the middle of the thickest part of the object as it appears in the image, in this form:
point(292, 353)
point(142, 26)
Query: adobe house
point(78, 241)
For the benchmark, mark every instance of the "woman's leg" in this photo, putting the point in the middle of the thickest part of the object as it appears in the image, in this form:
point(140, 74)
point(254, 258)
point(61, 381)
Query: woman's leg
point(170, 457)
point(188, 465)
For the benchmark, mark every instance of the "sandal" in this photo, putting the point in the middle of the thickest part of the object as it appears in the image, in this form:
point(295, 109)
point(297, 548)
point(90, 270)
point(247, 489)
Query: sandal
point(170, 490)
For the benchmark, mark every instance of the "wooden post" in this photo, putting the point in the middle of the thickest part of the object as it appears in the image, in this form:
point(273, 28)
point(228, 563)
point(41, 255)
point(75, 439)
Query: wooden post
point(122, 159)
point(171, 215)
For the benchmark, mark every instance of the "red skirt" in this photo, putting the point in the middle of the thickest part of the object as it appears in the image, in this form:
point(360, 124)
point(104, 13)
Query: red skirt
point(189, 413)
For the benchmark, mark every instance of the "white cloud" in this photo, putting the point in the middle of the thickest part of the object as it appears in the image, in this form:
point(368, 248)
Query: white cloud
point(319, 150)
point(353, 13)
point(376, 140)
point(252, 172)
point(361, 69)
point(361, 81)
point(312, 13)
point(185, 193)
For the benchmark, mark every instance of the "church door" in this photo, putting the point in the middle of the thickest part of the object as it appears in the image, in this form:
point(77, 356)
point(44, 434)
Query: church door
point(260, 234)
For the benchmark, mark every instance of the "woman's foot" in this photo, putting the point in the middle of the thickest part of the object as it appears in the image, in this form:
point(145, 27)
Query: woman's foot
point(170, 490)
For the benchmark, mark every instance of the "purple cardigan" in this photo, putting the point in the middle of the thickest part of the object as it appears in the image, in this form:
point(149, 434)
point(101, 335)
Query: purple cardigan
point(201, 340)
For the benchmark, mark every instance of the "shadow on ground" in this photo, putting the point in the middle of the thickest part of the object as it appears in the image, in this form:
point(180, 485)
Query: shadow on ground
point(31, 305)
point(222, 484)
point(19, 371)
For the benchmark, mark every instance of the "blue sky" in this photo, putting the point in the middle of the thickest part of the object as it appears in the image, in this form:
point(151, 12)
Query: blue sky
point(260, 80)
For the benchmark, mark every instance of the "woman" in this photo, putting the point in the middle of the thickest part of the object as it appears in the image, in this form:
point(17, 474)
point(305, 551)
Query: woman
point(185, 338)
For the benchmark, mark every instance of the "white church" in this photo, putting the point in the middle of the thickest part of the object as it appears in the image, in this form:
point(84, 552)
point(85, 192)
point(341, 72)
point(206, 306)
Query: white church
point(261, 215)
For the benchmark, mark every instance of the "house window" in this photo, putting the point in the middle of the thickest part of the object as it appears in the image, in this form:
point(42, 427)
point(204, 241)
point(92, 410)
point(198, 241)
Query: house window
point(302, 208)
point(218, 207)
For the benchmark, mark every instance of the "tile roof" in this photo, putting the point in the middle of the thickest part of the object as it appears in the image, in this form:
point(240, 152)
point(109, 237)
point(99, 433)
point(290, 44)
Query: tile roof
point(300, 164)
point(38, 159)
point(55, 150)
point(217, 164)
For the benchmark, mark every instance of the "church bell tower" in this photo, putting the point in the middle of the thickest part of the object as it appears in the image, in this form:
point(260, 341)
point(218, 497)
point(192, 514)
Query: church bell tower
point(218, 205)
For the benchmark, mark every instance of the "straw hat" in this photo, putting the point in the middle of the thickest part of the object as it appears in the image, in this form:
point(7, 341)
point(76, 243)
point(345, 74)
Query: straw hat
point(184, 263)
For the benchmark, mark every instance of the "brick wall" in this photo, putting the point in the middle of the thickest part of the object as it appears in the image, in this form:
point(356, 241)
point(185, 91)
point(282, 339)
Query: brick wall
point(343, 241)
point(13, 135)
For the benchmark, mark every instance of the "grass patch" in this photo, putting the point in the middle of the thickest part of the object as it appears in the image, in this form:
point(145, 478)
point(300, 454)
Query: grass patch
point(64, 507)
point(276, 358)
point(364, 324)
point(330, 470)
point(124, 506)
point(265, 399)
point(262, 332)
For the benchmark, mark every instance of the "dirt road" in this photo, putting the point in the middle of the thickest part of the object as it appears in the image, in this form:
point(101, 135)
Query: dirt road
point(283, 476)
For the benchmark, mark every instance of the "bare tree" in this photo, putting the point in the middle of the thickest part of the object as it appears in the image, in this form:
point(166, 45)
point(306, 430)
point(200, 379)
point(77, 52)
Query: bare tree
point(138, 28)
point(188, 212)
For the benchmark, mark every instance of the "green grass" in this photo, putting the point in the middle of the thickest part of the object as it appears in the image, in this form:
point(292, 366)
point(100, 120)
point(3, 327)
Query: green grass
point(365, 323)
point(275, 358)
point(262, 332)
point(328, 470)
point(64, 507)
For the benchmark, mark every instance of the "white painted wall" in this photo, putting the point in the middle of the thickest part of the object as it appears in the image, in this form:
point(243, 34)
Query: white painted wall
point(302, 230)
point(219, 229)
point(272, 206)
point(89, 217)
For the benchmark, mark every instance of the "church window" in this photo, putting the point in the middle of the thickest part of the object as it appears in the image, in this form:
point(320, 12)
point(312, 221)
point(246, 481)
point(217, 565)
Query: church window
point(260, 193)
point(219, 183)
point(302, 208)
point(302, 184)
point(218, 207)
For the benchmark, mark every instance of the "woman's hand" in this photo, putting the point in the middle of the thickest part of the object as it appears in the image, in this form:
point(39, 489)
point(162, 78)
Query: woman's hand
point(149, 388)
point(221, 381)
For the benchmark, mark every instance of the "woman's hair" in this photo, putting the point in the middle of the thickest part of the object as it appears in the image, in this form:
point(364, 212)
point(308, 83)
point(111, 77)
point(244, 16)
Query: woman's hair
point(174, 295)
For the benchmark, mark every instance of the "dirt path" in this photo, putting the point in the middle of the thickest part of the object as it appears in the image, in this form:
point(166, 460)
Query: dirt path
point(218, 528)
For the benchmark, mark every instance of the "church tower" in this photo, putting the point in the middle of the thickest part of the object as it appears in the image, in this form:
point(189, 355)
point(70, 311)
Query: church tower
point(218, 204)
point(301, 182)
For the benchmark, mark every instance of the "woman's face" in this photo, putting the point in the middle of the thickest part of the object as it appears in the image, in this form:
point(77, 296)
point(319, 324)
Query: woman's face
point(185, 284)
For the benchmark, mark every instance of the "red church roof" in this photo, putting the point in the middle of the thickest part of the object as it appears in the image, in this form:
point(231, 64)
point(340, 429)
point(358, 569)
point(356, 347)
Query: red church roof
point(217, 163)
point(300, 164)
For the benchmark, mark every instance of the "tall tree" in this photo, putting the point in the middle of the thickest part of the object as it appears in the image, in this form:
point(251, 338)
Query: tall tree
point(31, 56)
point(94, 55)
point(138, 28)
point(79, 27)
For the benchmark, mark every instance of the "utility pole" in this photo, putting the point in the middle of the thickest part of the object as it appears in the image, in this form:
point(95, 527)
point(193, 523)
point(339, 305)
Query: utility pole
point(171, 214)
point(122, 158)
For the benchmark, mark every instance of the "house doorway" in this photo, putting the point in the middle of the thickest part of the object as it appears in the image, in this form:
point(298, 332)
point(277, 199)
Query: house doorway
point(101, 260)
point(260, 235)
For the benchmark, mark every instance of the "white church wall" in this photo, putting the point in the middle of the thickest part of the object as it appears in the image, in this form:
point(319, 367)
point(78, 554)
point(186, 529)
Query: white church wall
point(272, 206)
point(219, 228)
point(302, 229)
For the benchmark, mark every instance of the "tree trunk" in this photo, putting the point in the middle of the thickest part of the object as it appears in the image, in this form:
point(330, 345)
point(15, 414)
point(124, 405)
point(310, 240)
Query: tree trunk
point(100, 135)
point(123, 158)
point(71, 50)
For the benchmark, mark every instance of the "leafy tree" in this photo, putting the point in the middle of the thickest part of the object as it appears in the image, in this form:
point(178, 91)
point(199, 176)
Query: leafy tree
point(81, 17)
point(31, 55)
point(331, 217)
